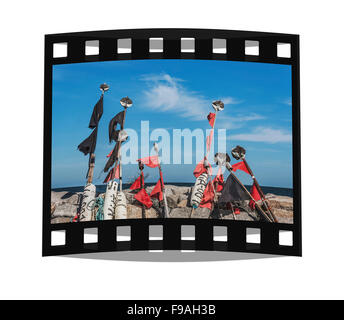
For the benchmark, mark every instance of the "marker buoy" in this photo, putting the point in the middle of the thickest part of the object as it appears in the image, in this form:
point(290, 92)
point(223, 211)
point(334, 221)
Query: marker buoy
point(110, 199)
point(198, 189)
point(121, 206)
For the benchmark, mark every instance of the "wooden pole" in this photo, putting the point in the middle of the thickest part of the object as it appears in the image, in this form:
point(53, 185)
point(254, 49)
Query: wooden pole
point(143, 211)
point(91, 168)
point(259, 209)
point(234, 218)
point(118, 160)
point(161, 184)
point(260, 191)
point(208, 169)
point(103, 87)
point(192, 212)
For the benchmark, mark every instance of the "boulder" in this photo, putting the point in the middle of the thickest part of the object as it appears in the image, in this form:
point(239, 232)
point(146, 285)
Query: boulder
point(180, 212)
point(65, 210)
point(135, 212)
point(64, 206)
point(172, 200)
point(182, 203)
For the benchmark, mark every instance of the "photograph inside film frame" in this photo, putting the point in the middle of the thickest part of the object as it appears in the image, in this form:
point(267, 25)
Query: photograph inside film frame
point(164, 139)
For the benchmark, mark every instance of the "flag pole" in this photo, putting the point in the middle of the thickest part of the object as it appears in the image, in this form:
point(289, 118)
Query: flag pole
point(141, 166)
point(103, 87)
point(126, 103)
point(218, 105)
point(234, 218)
point(239, 154)
point(89, 193)
point(91, 168)
point(260, 191)
point(259, 209)
point(220, 160)
point(166, 215)
point(208, 168)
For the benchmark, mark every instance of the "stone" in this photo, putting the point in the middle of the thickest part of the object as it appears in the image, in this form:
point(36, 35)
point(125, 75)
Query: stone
point(180, 212)
point(182, 203)
point(135, 212)
point(65, 210)
point(64, 206)
point(172, 200)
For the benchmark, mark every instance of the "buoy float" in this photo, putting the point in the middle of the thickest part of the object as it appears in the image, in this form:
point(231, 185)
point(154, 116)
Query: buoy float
point(88, 198)
point(110, 200)
point(121, 206)
point(198, 189)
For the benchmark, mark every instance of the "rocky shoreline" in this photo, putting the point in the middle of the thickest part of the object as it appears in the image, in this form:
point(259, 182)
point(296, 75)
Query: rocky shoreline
point(65, 204)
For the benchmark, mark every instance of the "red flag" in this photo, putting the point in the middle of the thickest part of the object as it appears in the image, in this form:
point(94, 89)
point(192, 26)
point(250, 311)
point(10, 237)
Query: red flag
point(211, 119)
point(151, 162)
point(137, 183)
point(236, 211)
point(144, 198)
point(209, 140)
point(157, 191)
point(116, 175)
point(219, 181)
point(241, 166)
point(200, 168)
point(255, 195)
point(208, 197)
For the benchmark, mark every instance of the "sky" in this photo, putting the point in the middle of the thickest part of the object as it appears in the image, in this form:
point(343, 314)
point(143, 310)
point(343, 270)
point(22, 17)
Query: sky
point(174, 94)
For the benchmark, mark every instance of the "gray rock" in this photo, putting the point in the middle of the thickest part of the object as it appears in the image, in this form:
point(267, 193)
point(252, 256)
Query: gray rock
point(65, 205)
point(135, 212)
point(172, 200)
point(180, 212)
point(65, 210)
point(202, 213)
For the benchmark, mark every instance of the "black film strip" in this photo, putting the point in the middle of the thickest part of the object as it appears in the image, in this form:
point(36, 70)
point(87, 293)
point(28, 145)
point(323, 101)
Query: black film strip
point(200, 44)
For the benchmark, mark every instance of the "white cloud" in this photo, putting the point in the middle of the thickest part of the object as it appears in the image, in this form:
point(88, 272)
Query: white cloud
point(238, 121)
point(161, 77)
point(262, 134)
point(168, 95)
point(288, 101)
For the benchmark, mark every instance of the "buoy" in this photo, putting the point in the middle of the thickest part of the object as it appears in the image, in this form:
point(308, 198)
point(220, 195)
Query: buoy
point(110, 199)
point(121, 206)
point(88, 198)
point(198, 190)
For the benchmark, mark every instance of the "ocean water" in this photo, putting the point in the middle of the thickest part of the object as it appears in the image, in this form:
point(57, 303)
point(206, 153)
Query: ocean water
point(101, 188)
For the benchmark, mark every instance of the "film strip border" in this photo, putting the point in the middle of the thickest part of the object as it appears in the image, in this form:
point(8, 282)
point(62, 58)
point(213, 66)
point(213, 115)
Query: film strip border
point(172, 44)
point(174, 234)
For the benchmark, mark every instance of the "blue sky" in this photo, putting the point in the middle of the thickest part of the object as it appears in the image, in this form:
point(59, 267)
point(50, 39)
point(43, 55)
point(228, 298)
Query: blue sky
point(175, 94)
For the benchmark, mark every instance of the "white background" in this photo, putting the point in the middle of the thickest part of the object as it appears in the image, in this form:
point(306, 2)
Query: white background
point(25, 274)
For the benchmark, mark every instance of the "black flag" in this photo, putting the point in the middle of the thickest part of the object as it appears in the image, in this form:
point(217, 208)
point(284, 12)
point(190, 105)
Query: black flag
point(96, 114)
point(113, 157)
point(233, 191)
point(117, 119)
point(89, 144)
